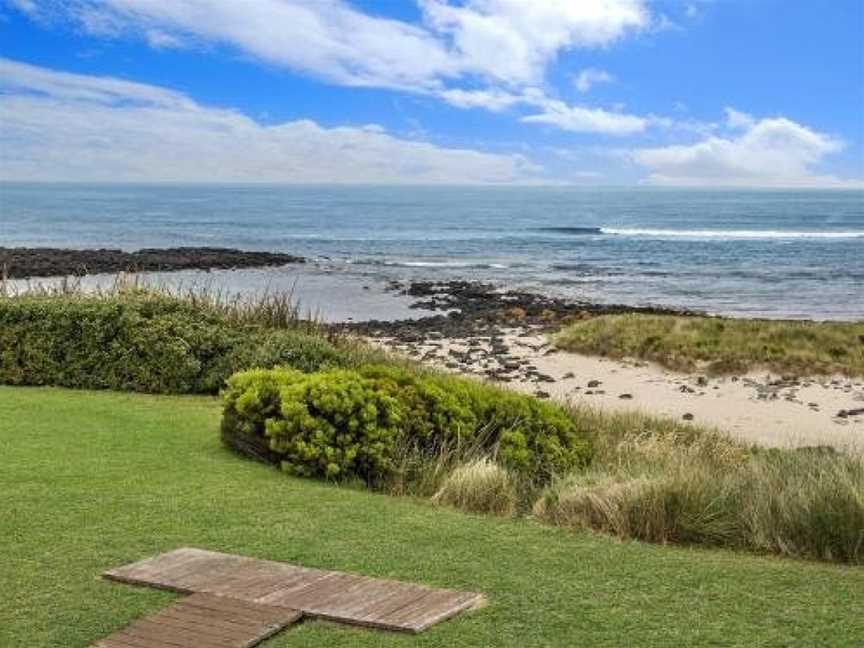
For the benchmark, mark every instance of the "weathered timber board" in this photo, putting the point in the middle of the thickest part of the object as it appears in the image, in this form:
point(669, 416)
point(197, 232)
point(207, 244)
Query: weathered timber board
point(204, 621)
point(332, 595)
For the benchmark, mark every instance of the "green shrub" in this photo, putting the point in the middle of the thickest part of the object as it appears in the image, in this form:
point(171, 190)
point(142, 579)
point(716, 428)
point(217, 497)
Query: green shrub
point(530, 436)
point(362, 423)
point(140, 342)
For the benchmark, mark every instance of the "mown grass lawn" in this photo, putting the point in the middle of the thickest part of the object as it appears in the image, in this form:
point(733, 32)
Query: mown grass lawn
point(93, 480)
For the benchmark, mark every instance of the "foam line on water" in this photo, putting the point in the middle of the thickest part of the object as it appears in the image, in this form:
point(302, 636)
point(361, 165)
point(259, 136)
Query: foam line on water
point(739, 234)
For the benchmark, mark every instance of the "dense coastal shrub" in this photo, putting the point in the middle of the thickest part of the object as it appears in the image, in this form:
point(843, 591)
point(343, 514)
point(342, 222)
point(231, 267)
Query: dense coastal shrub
point(530, 436)
point(140, 342)
point(360, 423)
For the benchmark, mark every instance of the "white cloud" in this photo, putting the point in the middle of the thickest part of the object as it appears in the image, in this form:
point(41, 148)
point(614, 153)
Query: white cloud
point(772, 152)
point(24, 79)
point(739, 120)
point(26, 6)
point(505, 41)
point(513, 41)
point(61, 126)
point(490, 54)
point(494, 100)
point(158, 39)
point(590, 77)
point(587, 120)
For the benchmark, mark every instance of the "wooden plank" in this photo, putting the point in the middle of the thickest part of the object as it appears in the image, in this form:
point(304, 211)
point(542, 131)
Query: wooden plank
point(207, 623)
point(436, 603)
point(397, 598)
point(300, 583)
point(204, 621)
point(337, 596)
point(250, 611)
point(317, 595)
point(459, 602)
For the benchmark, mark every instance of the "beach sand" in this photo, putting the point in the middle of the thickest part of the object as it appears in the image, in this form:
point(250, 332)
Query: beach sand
point(758, 408)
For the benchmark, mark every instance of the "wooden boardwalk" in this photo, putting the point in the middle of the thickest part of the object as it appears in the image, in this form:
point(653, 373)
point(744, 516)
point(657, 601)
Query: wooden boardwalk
point(204, 621)
point(283, 591)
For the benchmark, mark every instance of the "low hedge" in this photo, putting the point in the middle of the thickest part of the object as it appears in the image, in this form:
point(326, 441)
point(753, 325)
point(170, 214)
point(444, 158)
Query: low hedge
point(344, 424)
point(140, 342)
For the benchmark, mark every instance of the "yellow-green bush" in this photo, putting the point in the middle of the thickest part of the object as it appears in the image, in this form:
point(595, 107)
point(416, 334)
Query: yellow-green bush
point(358, 423)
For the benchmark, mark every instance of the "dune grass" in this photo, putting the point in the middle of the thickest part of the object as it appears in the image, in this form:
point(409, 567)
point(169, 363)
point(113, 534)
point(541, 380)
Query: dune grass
point(722, 346)
point(683, 484)
point(96, 479)
point(479, 486)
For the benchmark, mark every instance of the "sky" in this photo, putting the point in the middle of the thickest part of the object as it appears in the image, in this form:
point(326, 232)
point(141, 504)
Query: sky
point(714, 93)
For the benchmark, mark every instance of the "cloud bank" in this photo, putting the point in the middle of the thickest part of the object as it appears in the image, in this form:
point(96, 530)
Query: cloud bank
point(60, 126)
point(770, 152)
point(488, 54)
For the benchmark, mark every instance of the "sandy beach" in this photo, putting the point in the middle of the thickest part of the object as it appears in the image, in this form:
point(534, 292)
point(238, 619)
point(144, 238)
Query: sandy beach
point(758, 407)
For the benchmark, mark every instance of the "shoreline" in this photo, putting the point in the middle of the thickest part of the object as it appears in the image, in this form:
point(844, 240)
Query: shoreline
point(485, 331)
point(503, 337)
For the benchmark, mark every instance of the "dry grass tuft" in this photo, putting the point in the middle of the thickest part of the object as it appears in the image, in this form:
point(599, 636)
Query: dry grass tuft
point(799, 503)
point(480, 486)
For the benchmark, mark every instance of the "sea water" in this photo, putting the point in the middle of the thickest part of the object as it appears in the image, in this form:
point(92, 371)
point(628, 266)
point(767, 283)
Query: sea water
point(767, 253)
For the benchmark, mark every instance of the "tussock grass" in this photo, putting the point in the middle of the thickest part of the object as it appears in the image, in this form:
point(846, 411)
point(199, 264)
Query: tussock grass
point(480, 486)
point(700, 487)
point(722, 346)
point(268, 309)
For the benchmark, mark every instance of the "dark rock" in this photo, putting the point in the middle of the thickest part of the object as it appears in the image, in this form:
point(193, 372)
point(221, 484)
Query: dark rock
point(594, 383)
point(51, 262)
point(687, 417)
point(625, 396)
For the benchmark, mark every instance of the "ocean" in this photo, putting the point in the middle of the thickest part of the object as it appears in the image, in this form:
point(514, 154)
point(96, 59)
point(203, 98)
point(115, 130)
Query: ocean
point(766, 253)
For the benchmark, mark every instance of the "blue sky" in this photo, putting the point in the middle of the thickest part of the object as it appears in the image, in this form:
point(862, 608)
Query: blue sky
point(686, 93)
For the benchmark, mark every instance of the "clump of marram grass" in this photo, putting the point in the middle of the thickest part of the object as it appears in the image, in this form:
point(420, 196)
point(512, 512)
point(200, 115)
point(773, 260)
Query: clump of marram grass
point(685, 504)
point(800, 503)
point(722, 345)
point(632, 439)
point(807, 503)
point(479, 486)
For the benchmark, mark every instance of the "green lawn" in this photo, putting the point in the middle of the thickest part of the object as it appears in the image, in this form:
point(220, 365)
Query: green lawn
point(93, 480)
